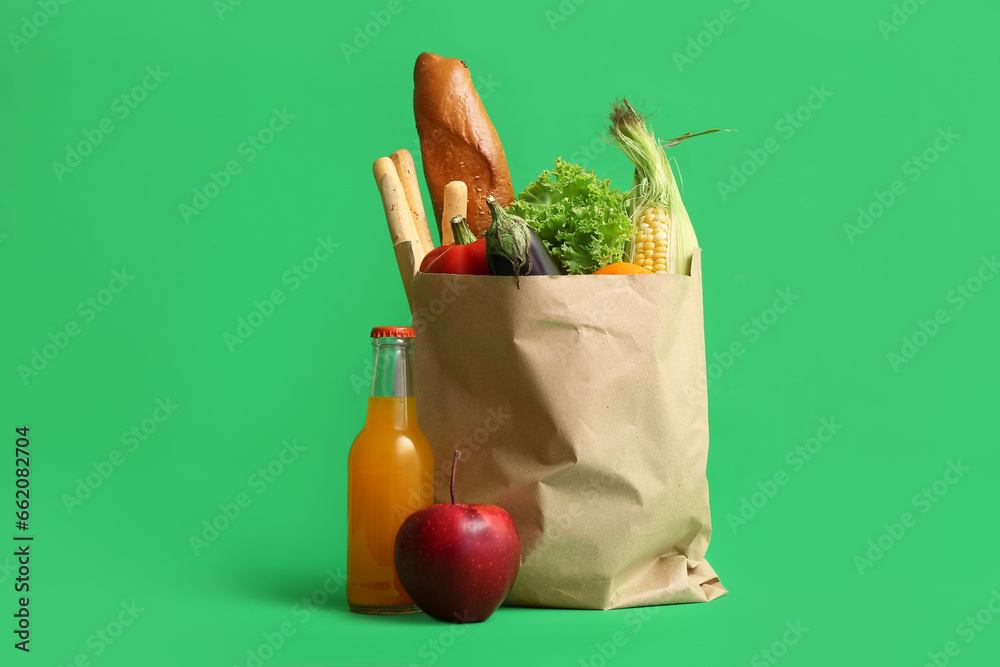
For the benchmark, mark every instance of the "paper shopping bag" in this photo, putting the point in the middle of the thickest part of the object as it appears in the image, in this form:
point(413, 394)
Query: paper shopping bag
point(579, 405)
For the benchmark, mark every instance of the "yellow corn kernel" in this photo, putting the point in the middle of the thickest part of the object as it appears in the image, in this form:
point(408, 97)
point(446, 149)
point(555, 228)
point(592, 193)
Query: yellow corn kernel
point(652, 240)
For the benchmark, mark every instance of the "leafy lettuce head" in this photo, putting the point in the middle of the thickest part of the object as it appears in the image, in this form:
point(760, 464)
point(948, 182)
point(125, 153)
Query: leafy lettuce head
point(581, 219)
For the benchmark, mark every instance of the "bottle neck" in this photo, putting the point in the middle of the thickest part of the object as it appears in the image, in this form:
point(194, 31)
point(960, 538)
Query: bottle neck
point(393, 375)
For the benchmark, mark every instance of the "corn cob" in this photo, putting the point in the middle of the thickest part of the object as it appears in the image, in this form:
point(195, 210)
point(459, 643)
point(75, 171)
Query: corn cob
point(650, 248)
point(664, 239)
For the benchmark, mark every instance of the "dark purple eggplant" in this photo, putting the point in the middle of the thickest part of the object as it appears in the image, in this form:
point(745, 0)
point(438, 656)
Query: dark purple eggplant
point(513, 248)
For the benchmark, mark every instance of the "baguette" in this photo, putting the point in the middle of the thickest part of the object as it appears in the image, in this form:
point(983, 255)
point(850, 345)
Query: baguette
point(457, 140)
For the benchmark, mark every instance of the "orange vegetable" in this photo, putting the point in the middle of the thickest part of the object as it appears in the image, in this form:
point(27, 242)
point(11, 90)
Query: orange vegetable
point(621, 269)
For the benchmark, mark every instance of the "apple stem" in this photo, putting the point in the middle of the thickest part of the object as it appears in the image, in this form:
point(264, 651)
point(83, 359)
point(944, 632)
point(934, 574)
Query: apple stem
point(454, 467)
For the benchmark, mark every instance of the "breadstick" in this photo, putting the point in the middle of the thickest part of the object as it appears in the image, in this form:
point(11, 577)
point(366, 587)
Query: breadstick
point(456, 202)
point(407, 173)
point(384, 166)
point(397, 215)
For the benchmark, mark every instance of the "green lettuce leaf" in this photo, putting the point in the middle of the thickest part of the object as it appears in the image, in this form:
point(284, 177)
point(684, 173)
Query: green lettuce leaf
point(580, 218)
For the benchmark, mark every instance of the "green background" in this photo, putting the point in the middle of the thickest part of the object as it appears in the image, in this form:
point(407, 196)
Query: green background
point(547, 72)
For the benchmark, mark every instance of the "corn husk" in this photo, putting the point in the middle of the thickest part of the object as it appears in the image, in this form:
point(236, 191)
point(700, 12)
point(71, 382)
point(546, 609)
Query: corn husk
point(654, 184)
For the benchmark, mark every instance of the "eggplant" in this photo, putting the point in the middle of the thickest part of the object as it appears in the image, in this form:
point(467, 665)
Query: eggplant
point(513, 248)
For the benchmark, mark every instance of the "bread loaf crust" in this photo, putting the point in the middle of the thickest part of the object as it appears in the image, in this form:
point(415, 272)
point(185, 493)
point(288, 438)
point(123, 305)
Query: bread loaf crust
point(457, 140)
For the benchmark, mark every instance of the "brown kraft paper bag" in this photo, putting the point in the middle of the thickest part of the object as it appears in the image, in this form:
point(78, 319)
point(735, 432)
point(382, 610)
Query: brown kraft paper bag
point(579, 405)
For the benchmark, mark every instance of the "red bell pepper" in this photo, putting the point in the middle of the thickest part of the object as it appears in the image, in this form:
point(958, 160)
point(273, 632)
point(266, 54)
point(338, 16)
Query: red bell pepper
point(466, 255)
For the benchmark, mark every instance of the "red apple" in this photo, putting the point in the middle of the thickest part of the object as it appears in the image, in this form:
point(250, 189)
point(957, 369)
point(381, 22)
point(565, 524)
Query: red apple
point(458, 561)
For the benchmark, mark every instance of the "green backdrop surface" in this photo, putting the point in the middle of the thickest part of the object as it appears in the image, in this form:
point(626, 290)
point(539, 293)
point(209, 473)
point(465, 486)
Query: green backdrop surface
point(168, 169)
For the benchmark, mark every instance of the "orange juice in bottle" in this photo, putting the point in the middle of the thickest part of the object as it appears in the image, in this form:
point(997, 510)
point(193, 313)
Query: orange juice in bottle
point(389, 473)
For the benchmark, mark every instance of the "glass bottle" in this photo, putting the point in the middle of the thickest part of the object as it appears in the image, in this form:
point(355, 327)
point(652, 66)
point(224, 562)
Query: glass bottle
point(389, 476)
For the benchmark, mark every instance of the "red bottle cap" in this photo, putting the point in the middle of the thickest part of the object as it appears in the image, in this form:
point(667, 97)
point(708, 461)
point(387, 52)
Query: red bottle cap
point(393, 332)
